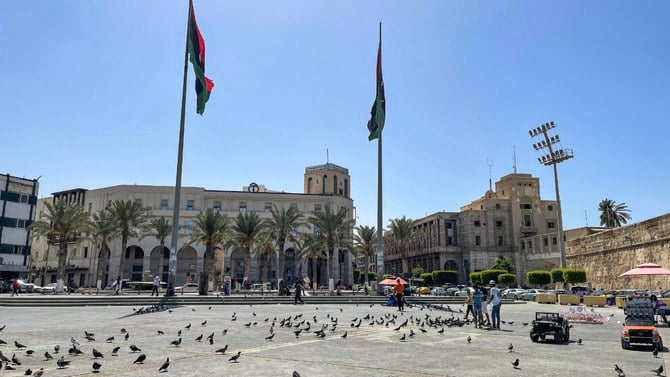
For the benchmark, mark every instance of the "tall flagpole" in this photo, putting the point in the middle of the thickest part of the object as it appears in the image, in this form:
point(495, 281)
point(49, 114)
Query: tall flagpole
point(180, 157)
point(380, 225)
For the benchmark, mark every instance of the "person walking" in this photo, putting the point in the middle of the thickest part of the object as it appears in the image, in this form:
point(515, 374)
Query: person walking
point(157, 282)
point(398, 290)
point(485, 308)
point(15, 288)
point(496, 303)
point(298, 293)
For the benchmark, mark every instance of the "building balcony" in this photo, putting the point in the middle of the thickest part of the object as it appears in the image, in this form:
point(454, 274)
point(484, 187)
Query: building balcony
point(528, 230)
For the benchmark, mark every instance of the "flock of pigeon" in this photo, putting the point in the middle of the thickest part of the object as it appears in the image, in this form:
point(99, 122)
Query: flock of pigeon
point(120, 344)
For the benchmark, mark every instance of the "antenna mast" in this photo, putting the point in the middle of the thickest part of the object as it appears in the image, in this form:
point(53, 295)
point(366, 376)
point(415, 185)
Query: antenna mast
point(490, 164)
point(514, 166)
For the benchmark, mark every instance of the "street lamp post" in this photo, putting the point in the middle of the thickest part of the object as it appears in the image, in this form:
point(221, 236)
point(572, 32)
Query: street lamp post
point(547, 143)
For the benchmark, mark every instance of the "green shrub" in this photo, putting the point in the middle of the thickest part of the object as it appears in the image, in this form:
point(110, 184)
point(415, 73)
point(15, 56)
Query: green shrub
point(442, 277)
point(488, 275)
point(557, 275)
point(573, 276)
point(475, 277)
point(427, 278)
point(538, 277)
point(507, 279)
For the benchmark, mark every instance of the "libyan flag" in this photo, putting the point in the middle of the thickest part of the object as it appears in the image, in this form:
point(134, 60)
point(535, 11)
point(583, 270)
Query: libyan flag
point(196, 52)
point(378, 112)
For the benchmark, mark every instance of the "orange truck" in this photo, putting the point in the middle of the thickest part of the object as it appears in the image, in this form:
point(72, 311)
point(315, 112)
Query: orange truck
point(639, 327)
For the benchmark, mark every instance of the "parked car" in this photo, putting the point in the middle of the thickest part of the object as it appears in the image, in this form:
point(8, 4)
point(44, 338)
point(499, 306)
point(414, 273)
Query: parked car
point(438, 291)
point(551, 324)
point(579, 290)
point(529, 294)
point(188, 287)
point(49, 288)
point(639, 326)
point(27, 288)
point(423, 291)
point(464, 291)
point(451, 291)
point(514, 293)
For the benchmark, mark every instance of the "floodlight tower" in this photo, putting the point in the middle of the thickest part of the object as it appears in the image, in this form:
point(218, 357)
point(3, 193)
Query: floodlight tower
point(548, 143)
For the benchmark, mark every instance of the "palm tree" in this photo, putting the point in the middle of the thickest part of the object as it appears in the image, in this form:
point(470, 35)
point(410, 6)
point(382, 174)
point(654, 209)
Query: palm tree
point(160, 228)
point(402, 231)
point(127, 217)
point(265, 246)
point(312, 246)
point(102, 234)
point(245, 229)
point(64, 223)
point(335, 227)
point(365, 244)
point(211, 229)
point(613, 215)
point(281, 227)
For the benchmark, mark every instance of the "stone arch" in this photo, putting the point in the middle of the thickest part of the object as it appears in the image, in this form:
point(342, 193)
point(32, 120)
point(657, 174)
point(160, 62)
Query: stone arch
point(451, 265)
point(154, 262)
point(133, 267)
point(187, 266)
point(237, 265)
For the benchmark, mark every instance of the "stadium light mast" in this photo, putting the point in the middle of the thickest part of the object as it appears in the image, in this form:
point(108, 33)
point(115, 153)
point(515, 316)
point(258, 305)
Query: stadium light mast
point(549, 145)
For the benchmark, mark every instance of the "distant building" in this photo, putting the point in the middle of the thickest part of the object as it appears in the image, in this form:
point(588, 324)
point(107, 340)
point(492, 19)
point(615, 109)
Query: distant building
point(142, 256)
point(18, 197)
point(512, 222)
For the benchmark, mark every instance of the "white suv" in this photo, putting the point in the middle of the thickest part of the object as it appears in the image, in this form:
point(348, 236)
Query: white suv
point(514, 293)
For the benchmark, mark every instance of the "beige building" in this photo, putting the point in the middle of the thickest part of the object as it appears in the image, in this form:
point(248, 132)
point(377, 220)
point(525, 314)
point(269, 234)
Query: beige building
point(142, 256)
point(512, 221)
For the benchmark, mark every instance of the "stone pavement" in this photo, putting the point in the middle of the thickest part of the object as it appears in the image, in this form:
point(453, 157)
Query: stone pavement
point(371, 349)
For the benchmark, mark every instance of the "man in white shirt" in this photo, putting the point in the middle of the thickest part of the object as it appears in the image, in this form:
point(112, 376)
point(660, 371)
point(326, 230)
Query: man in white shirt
point(154, 289)
point(494, 300)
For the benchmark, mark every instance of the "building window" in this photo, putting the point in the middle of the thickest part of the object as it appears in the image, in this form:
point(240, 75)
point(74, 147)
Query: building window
point(497, 205)
point(478, 241)
point(324, 184)
point(449, 240)
point(309, 185)
point(450, 225)
point(550, 207)
point(526, 206)
point(190, 204)
point(164, 204)
point(20, 223)
point(23, 198)
point(317, 231)
point(243, 206)
point(523, 245)
point(294, 205)
point(526, 220)
point(17, 250)
point(268, 207)
point(138, 201)
point(317, 207)
point(499, 223)
point(85, 251)
point(550, 225)
point(553, 240)
point(478, 223)
point(500, 241)
point(188, 227)
point(217, 205)
point(530, 244)
point(545, 241)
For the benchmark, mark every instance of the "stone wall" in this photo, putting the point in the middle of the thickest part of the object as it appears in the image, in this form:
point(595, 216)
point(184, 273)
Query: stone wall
point(607, 254)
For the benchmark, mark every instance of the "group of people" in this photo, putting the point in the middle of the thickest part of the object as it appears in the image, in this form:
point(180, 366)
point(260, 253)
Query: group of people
point(477, 302)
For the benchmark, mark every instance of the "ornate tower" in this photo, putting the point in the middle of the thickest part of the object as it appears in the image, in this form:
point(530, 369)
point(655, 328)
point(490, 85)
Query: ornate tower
point(328, 179)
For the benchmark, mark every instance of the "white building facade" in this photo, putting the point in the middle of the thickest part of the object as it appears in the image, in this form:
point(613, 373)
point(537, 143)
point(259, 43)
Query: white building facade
point(18, 199)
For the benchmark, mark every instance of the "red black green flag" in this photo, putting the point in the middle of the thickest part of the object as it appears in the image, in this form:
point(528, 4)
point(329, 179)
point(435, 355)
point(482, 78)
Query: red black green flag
point(378, 112)
point(196, 52)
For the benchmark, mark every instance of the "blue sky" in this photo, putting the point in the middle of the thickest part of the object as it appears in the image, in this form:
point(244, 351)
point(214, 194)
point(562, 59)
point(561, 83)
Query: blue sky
point(91, 97)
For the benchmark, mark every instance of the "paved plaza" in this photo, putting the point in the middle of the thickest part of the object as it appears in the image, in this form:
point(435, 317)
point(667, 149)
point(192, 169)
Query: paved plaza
point(372, 346)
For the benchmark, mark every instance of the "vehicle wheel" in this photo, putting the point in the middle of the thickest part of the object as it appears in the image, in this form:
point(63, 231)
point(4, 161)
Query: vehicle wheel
point(566, 335)
point(516, 297)
point(625, 345)
point(542, 336)
point(534, 337)
point(558, 337)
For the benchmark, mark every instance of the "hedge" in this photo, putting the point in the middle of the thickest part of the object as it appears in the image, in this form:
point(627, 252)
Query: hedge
point(475, 277)
point(427, 279)
point(488, 275)
point(507, 279)
point(441, 277)
point(372, 276)
point(573, 276)
point(538, 278)
point(557, 275)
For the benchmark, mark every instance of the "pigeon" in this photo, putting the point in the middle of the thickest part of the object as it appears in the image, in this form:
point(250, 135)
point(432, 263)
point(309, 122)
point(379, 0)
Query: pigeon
point(222, 350)
point(140, 359)
point(469, 339)
point(160, 332)
point(296, 374)
point(658, 370)
point(56, 348)
point(62, 363)
point(15, 360)
point(110, 339)
point(270, 336)
point(135, 348)
point(39, 372)
point(235, 357)
point(2, 342)
point(28, 372)
point(618, 369)
point(176, 343)
point(96, 367)
point(127, 336)
point(97, 354)
point(3, 327)
point(47, 356)
point(510, 347)
point(515, 364)
point(579, 341)
point(344, 336)
point(199, 338)
point(203, 323)
point(123, 330)
point(165, 365)
point(179, 333)
point(18, 345)
point(188, 327)
point(403, 337)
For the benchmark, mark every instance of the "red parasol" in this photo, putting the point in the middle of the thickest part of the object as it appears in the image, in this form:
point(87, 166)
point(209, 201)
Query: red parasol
point(647, 269)
point(392, 281)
